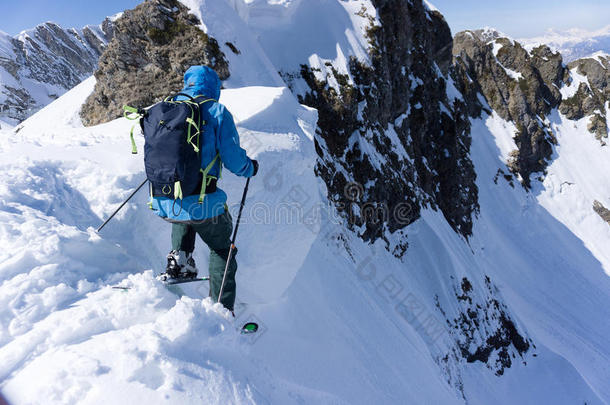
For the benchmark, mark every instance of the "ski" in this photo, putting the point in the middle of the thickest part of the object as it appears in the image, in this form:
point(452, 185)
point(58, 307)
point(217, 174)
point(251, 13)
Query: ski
point(171, 281)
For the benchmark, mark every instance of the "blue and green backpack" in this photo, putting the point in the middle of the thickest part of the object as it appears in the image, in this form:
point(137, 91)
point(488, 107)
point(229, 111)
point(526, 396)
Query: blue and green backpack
point(172, 132)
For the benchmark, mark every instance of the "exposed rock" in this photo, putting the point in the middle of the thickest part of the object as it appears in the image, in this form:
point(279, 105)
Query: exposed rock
point(524, 87)
point(391, 141)
point(152, 47)
point(591, 98)
point(602, 211)
point(53, 58)
point(483, 330)
point(520, 86)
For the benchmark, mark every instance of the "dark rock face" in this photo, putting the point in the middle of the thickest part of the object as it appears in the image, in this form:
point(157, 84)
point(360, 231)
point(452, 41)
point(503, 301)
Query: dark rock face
point(152, 47)
point(57, 58)
point(518, 85)
point(591, 98)
point(392, 141)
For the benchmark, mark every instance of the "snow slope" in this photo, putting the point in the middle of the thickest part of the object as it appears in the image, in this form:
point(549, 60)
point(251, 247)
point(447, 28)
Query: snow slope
point(342, 322)
point(546, 249)
point(64, 322)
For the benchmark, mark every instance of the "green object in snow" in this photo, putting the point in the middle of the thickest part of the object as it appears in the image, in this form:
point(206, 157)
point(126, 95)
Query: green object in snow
point(249, 327)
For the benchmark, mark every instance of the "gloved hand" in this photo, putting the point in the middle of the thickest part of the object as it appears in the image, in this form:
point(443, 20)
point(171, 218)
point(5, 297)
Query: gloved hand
point(255, 163)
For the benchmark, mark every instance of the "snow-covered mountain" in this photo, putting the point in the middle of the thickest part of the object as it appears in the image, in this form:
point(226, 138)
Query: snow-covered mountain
point(392, 250)
point(526, 87)
point(575, 43)
point(40, 64)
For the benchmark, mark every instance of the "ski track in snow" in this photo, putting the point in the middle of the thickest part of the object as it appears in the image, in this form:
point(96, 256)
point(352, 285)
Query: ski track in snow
point(328, 333)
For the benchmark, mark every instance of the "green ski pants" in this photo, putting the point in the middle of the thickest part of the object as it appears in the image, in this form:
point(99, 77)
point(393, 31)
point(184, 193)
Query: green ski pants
point(216, 233)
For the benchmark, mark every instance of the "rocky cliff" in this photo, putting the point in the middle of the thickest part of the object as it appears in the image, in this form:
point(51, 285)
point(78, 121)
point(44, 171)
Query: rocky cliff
point(40, 64)
point(520, 86)
point(392, 140)
point(525, 86)
point(591, 80)
point(152, 47)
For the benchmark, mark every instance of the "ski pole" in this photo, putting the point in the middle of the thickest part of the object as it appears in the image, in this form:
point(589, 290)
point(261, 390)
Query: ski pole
point(121, 206)
point(241, 208)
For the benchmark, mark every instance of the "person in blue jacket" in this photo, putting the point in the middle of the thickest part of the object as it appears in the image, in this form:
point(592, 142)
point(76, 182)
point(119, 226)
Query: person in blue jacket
point(210, 218)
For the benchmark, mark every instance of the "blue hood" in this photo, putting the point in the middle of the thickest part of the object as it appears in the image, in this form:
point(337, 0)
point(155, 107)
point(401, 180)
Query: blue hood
point(202, 80)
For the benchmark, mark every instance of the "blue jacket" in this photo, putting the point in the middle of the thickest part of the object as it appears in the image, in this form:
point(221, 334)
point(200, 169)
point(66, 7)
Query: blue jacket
point(219, 137)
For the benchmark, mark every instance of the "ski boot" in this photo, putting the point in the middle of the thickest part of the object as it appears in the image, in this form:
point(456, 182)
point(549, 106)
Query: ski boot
point(180, 265)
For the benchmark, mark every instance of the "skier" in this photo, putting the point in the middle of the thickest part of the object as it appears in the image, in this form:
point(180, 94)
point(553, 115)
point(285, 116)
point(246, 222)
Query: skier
point(209, 218)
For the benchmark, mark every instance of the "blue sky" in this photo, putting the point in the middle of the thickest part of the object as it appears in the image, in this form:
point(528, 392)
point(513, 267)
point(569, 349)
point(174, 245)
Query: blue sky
point(18, 15)
point(517, 18)
point(525, 18)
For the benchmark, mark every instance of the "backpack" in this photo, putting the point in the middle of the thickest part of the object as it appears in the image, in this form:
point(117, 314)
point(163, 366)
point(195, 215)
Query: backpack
point(172, 159)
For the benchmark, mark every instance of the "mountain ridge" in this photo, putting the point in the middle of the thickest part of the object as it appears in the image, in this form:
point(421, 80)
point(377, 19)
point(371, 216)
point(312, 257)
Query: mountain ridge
point(39, 64)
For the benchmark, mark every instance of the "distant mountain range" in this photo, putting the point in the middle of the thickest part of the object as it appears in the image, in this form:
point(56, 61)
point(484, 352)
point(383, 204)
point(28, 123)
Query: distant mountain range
point(40, 64)
point(574, 43)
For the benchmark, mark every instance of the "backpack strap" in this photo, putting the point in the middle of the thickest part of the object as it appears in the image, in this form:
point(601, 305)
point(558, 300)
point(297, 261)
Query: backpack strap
point(133, 114)
point(191, 120)
point(206, 179)
point(189, 137)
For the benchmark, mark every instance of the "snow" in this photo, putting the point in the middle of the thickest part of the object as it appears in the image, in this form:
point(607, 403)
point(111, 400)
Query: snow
point(569, 91)
point(97, 31)
point(251, 66)
point(336, 313)
point(570, 187)
point(129, 361)
point(116, 16)
point(6, 47)
point(574, 43)
point(430, 6)
point(496, 47)
point(6, 125)
point(537, 252)
point(600, 57)
point(503, 133)
point(453, 93)
point(415, 81)
point(490, 34)
point(513, 74)
point(64, 180)
point(294, 32)
point(398, 121)
point(397, 145)
point(7, 79)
